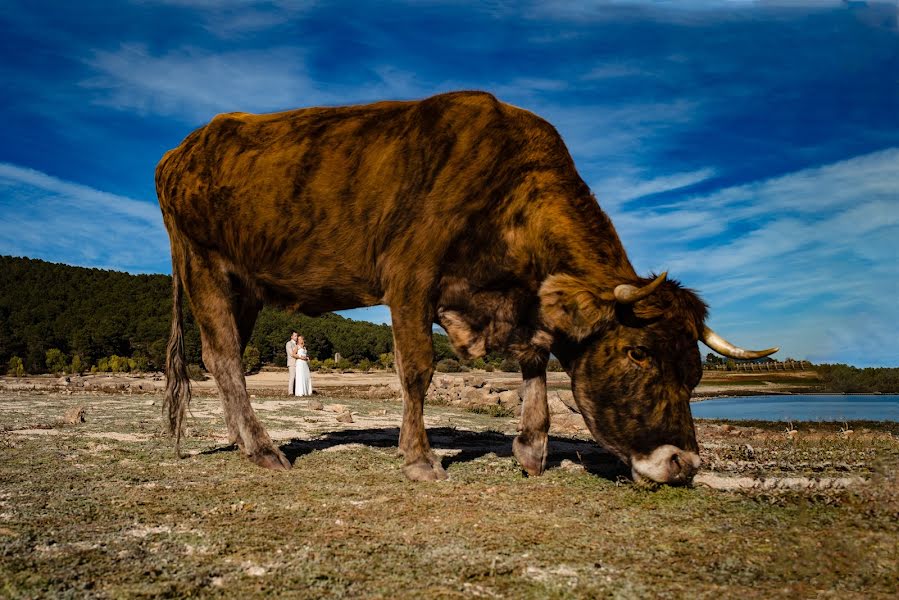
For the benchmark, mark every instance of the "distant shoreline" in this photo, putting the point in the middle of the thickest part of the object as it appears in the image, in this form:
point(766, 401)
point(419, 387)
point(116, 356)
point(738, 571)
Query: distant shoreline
point(741, 394)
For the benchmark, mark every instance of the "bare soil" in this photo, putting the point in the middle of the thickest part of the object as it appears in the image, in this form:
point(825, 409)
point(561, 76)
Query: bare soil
point(104, 509)
point(273, 381)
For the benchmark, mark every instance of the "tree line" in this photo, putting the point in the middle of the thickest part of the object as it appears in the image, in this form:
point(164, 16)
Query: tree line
point(842, 378)
point(54, 317)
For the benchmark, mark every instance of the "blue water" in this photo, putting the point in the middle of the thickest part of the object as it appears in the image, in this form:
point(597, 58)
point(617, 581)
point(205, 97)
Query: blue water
point(800, 407)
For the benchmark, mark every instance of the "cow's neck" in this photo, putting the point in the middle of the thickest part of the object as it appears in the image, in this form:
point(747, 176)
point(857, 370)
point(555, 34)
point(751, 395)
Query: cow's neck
point(580, 240)
point(575, 238)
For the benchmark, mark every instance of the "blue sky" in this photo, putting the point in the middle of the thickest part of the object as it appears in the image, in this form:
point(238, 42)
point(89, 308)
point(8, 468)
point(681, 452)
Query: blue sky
point(749, 148)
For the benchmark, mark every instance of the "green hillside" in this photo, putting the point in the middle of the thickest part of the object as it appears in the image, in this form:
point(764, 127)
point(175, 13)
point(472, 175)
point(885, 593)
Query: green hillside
point(95, 313)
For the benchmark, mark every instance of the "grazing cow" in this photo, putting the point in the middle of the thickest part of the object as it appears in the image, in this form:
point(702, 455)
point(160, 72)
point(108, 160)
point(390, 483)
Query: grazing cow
point(459, 210)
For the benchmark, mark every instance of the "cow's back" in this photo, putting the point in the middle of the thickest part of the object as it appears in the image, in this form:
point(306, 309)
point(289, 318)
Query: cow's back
point(350, 198)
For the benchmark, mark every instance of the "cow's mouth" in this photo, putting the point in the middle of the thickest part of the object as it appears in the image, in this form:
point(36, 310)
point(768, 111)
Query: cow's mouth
point(666, 464)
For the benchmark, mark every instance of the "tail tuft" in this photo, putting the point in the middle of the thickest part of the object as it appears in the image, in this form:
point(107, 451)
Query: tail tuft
point(177, 387)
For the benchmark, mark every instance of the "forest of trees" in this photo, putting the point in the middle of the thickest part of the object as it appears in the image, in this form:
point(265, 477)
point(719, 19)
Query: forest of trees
point(847, 379)
point(56, 318)
point(52, 315)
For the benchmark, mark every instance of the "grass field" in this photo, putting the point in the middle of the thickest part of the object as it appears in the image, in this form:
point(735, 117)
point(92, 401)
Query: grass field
point(104, 509)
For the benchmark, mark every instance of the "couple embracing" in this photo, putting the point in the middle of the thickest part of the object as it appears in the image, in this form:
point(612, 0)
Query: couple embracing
point(300, 379)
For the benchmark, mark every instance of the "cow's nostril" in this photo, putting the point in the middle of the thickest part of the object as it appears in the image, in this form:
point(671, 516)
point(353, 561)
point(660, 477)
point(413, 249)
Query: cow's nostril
point(677, 467)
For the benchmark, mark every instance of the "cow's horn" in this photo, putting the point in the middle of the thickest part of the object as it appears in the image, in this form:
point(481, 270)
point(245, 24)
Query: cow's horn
point(722, 346)
point(628, 294)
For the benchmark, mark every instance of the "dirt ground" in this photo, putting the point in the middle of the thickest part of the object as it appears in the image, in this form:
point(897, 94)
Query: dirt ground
point(103, 508)
point(273, 381)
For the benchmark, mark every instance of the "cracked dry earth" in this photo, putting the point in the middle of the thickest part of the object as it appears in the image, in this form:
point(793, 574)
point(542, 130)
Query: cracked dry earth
point(102, 508)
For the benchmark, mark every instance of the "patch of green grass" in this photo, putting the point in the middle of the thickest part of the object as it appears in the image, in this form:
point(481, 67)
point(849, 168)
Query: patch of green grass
point(491, 410)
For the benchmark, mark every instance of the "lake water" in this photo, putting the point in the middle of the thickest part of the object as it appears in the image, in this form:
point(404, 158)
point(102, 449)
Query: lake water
point(800, 407)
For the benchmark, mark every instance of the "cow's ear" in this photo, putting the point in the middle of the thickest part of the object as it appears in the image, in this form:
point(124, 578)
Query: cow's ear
point(569, 305)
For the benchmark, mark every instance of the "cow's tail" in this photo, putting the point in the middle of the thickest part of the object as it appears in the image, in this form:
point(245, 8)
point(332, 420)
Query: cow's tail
point(177, 386)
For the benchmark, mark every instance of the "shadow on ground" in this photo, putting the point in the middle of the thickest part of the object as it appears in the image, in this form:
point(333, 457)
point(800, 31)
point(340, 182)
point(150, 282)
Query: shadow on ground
point(471, 445)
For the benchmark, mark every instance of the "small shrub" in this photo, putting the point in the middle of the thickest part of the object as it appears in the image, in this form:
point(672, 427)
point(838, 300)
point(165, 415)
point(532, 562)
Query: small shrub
point(115, 364)
point(195, 372)
point(365, 365)
point(343, 364)
point(77, 367)
point(448, 365)
point(490, 368)
point(250, 359)
point(15, 368)
point(491, 410)
point(328, 363)
point(56, 360)
point(554, 365)
point(140, 363)
point(509, 365)
point(478, 363)
point(386, 360)
point(315, 364)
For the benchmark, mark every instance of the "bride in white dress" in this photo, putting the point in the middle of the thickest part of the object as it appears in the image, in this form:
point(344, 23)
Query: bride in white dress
point(304, 378)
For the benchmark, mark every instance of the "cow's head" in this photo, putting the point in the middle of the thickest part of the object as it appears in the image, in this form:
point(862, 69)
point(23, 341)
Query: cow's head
point(633, 358)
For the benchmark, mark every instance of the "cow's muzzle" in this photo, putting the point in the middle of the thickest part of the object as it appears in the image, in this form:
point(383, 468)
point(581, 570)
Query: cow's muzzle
point(666, 464)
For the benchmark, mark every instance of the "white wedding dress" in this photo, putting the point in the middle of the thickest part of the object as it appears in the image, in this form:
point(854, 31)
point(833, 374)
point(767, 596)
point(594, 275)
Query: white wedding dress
point(304, 378)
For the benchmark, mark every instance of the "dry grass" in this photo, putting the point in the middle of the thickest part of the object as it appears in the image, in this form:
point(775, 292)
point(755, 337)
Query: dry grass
point(103, 509)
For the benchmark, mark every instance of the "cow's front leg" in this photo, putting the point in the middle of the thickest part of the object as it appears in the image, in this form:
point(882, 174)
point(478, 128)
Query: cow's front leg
point(217, 312)
point(414, 357)
point(531, 445)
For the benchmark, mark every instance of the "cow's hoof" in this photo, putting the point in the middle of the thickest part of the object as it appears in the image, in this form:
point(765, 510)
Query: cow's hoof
point(270, 458)
point(531, 454)
point(425, 470)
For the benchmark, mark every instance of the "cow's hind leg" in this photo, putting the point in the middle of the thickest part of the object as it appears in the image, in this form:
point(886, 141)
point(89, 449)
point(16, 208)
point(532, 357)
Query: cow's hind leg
point(414, 357)
point(246, 310)
point(225, 320)
point(530, 447)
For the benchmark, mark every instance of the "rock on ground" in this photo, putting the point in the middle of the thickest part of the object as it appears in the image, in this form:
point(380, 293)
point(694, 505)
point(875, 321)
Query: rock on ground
point(74, 415)
point(509, 399)
point(556, 406)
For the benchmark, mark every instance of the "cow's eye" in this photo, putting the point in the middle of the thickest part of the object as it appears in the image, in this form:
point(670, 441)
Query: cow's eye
point(639, 355)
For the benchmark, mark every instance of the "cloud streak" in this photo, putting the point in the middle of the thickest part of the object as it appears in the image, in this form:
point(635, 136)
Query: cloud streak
point(193, 83)
point(819, 241)
point(57, 220)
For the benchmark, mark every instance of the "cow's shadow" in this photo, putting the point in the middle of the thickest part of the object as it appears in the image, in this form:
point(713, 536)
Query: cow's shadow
point(469, 446)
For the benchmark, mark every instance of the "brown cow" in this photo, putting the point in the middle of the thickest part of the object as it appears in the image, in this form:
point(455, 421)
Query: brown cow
point(457, 209)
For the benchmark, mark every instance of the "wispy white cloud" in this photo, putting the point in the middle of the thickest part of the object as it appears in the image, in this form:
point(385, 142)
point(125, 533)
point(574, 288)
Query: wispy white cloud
point(818, 246)
point(194, 84)
point(628, 184)
point(684, 11)
point(50, 218)
point(607, 137)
